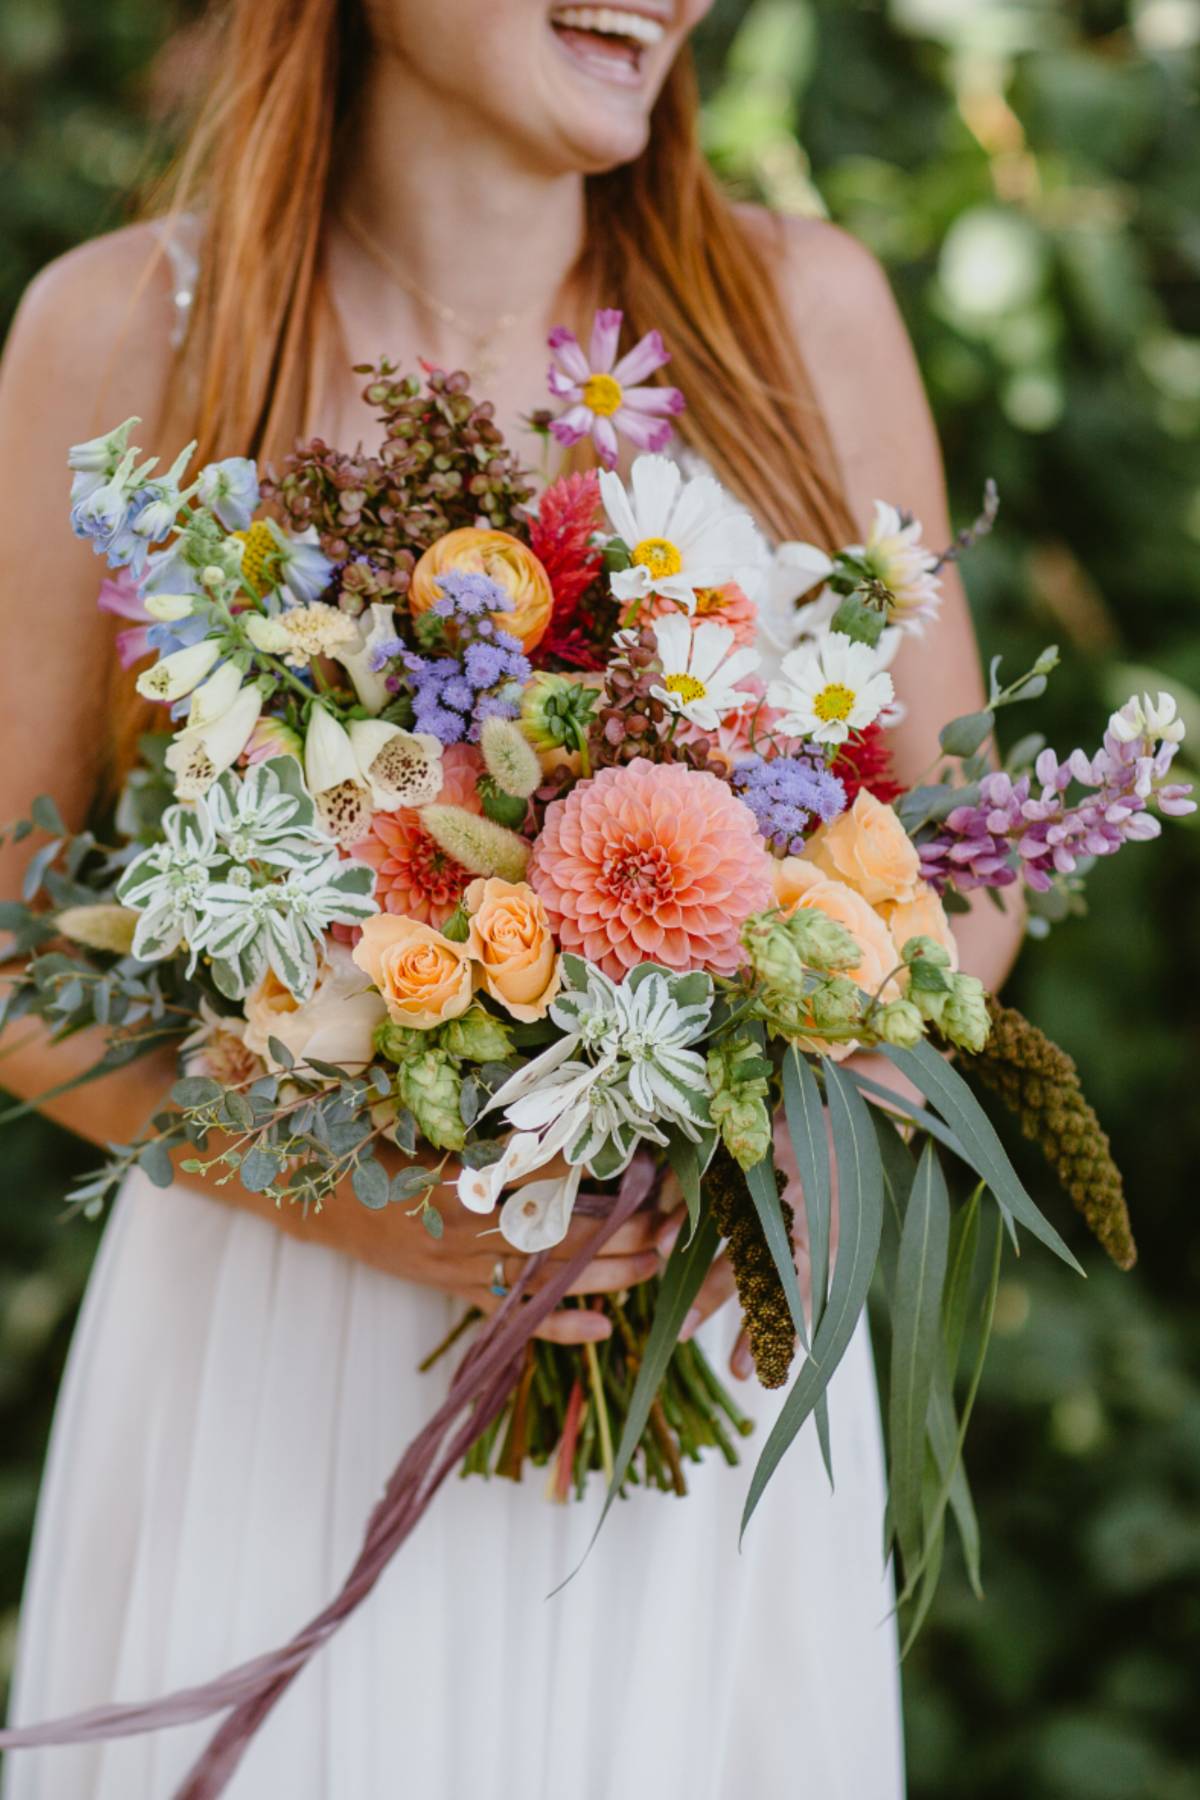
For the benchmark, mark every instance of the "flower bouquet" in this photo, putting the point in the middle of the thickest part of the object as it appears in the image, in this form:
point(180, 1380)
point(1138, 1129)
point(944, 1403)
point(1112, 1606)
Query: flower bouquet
point(474, 846)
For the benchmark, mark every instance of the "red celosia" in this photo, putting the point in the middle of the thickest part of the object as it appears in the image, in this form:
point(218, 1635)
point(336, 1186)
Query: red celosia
point(560, 538)
point(866, 762)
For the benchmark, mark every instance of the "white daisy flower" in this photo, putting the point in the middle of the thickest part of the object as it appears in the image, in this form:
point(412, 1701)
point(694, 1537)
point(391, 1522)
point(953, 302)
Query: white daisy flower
point(681, 535)
point(699, 673)
point(828, 691)
point(899, 560)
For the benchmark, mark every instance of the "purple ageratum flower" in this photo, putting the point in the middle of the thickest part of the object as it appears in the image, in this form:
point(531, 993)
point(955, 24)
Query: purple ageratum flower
point(466, 595)
point(605, 397)
point(788, 796)
point(1024, 827)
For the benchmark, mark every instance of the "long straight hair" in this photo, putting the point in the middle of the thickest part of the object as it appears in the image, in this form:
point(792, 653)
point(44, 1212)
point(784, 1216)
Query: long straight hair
point(663, 242)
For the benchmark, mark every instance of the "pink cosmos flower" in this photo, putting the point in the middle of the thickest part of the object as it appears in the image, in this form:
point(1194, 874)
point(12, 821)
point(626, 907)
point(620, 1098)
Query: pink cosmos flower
point(604, 395)
point(651, 862)
point(119, 594)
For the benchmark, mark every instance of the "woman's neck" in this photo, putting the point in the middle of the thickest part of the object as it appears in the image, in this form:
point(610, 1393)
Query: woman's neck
point(469, 219)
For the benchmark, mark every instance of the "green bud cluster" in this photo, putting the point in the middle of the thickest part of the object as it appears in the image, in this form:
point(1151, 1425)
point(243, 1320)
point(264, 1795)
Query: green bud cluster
point(738, 1073)
point(556, 711)
point(430, 1086)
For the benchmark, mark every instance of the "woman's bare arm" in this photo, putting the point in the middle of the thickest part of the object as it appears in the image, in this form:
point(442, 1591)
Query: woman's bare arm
point(90, 347)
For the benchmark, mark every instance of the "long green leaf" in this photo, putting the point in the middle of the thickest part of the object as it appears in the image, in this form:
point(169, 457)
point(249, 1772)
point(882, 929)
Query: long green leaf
point(805, 1115)
point(938, 1507)
point(944, 1443)
point(916, 1329)
point(888, 1099)
point(949, 1093)
point(686, 1268)
point(688, 1162)
point(765, 1194)
point(860, 1218)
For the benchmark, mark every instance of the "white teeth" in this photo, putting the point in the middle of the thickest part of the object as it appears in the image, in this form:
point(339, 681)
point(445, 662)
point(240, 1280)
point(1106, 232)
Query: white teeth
point(610, 21)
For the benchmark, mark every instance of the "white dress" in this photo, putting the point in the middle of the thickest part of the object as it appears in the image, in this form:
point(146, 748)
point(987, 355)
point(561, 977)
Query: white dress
point(233, 1403)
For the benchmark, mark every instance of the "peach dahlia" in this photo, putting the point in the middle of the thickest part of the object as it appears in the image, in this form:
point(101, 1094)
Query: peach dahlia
point(651, 863)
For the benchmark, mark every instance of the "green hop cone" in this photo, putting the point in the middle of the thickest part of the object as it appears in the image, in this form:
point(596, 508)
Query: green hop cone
point(964, 1018)
point(738, 1074)
point(397, 1042)
point(429, 1085)
point(900, 1023)
point(834, 1003)
point(773, 955)
point(925, 949)
point(476, 1037)
point(820, 942)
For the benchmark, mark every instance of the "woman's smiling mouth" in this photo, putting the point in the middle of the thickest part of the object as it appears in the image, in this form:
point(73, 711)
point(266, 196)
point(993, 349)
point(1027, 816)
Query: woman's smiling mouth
point(608, 42)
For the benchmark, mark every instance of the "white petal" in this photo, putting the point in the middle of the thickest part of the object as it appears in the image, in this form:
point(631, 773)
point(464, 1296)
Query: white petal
point(673, 635)
point(655, 482)
point(538, 1215)
point(711, 643)
point(616, 505)
point(329, 759)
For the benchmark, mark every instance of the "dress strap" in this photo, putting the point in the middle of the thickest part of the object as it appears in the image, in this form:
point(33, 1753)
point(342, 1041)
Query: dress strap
point(179, 238)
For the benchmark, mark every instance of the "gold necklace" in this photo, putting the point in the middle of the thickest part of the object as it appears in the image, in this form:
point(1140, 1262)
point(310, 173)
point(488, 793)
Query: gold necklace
point(482, 342)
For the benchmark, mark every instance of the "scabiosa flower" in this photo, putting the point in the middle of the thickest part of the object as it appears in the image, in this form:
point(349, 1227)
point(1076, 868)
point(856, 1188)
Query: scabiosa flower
point(604, 396)
point(830, 690)
point(788, 796)
point(651, 862)
point(413, 876)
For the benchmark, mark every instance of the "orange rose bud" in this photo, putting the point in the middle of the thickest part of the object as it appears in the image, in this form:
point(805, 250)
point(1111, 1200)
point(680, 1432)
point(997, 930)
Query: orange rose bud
point(501, 557)
point(511, 942)
point(423, 977)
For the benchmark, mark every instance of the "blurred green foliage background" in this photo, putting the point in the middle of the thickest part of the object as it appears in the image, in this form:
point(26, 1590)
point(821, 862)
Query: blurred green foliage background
point(1027, 170)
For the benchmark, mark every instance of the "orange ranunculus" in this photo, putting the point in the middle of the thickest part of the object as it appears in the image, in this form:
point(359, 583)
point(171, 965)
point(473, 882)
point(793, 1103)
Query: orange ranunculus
point(512, 944)
point(423, 977)
point(504, 559)
point(922, 916)
point(869, 849)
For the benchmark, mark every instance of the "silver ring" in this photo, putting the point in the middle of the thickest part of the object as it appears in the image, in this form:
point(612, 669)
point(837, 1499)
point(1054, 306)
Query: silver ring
point(499, 1286)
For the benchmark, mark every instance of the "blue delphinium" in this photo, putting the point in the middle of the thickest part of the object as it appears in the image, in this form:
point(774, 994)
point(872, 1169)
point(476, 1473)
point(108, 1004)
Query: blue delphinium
point(789, 796)
point(482, 674)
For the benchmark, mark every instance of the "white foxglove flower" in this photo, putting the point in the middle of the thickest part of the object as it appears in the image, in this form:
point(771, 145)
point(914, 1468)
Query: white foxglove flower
point(828, 691)
point(376, 626)
point(176, 675)
point(267, 632)
point(341, 795)
point(199, 754)
point(701, 668)
point(681, 535)
point(214, 696)
point(168, 609)
point(402, 768)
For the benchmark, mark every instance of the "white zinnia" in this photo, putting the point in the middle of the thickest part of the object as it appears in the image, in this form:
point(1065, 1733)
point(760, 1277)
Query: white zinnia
point(828, 691)
point(681, 535)
point(701, 667)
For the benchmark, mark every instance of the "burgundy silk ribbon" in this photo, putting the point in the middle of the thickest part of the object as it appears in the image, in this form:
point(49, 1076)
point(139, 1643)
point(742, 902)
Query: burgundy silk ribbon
point(483, 1383)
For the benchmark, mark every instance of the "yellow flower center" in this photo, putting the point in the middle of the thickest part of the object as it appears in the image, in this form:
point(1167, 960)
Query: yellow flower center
point(659, 555)
point(686, 686)
point(603, 395)
point(259, 556)
point(834, 701)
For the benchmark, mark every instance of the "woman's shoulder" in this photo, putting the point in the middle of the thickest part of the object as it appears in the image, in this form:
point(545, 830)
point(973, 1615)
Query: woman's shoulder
point(99, 322)
point(831, 284)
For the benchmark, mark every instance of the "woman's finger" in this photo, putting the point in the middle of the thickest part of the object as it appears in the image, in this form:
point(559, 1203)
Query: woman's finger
point(568, 1325)
point(716, 1288)
point(609, 1274)
point(741, 1363)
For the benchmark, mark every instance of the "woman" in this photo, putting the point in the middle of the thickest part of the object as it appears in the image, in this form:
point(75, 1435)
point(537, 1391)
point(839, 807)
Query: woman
point(443, 181)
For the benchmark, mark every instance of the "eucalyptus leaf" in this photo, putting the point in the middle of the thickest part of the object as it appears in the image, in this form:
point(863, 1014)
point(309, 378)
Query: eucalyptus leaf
point(916, 1331)
point(945, 1089)
point(258, 1171)
point(860, 1206)
point(196, 1090)
point(805, 1115)
point(370, 1183)
point(154, 1160)
point(280, 1053)
point(46, 816)
point(963, 736)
